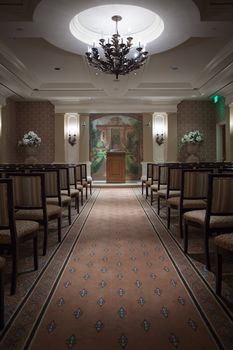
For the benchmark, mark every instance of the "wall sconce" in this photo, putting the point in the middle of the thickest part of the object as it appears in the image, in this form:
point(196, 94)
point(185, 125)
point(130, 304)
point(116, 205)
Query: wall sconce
point(72, 139)
point(160, 139)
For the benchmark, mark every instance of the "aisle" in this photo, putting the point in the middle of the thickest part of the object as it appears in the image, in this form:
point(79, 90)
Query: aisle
point(119, 280)
point(120, 289)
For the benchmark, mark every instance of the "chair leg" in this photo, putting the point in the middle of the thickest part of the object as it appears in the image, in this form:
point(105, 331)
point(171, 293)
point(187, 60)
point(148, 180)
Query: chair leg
point(142, 188)
point(181, 225)
point(69, 214)
point(77, 203)
point(35, 252)
point(90, 188)
point(147, 191)
point(218, 286)
point(45, 237)
point(206, 249)
point(14, 270)
point(86, 191)
point(158, 204)
point(168, 217)
point(81, 197)
point(185, 238)
point(59, 228)
point(151, 197)
point(1, 299)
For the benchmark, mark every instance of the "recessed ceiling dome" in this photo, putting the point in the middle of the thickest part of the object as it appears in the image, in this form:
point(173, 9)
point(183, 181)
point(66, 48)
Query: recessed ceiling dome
point(90, 25)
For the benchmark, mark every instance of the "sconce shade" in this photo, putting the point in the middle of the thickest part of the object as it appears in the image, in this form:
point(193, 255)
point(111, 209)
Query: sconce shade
point(72, 139)
point(160, 139)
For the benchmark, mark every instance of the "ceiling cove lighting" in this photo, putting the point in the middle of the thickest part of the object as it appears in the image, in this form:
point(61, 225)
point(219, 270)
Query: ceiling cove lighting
point(115, 57)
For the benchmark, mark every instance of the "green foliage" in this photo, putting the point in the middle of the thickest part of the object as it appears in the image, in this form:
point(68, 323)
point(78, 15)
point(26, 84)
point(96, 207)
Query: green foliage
point(97, 161)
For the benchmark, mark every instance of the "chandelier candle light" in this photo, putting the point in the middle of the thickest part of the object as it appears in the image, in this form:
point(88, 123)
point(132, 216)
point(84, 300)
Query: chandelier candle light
point(116, 54)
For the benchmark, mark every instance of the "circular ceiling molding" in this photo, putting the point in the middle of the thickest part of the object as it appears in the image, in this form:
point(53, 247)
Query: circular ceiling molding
point(160, 24)
point(94, 23)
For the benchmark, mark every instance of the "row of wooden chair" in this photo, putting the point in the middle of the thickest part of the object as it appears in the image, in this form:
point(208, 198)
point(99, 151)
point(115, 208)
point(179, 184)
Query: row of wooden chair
point(31, 196)
point(202, 197)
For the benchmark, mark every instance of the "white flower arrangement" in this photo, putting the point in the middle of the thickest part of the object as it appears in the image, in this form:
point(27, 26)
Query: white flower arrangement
point(30, 139)
point(193, 137)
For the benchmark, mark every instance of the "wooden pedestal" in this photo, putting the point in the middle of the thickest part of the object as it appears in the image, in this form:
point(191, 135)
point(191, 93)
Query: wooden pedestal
point(115, 167)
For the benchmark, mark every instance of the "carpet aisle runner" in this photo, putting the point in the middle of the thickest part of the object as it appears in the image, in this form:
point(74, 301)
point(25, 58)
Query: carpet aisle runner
point(119, 289)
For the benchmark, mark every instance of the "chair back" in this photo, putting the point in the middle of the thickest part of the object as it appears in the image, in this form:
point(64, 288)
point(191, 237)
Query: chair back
point(64, 179)
point(162, 175)
point(72, 176)
point(174, 175)
point(84, 171)
point(220, 195)
point(28, 190)
point(154, 172)
point(7, 218)
point(195, 183)
point(78, 172)
point(149, 169)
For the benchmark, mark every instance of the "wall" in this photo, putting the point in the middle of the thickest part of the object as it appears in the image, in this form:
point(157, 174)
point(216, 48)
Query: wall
point(172, 137)
point(197, 115)
point(40, 118)
point(8, 139)
point(59, 138)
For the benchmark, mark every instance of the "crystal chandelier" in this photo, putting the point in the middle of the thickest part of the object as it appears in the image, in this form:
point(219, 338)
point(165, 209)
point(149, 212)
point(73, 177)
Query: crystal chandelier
point(116, 55)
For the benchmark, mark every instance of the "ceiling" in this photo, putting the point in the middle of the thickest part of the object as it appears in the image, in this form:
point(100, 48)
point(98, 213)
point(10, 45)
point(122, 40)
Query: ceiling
point(41, 60)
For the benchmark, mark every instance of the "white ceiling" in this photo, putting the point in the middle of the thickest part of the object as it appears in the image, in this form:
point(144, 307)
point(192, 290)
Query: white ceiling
point(192, 59)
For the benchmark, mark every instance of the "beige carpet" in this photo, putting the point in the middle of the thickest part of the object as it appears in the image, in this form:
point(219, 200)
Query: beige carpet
point(120, 290)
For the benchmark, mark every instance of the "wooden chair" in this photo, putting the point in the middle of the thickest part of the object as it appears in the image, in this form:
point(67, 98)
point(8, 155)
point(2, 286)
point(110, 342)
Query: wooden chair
point(146, 180)
point(223, 245)
point(74, 192)
point(194, 188)
point(2, 265)
point(159, 179)
point(218, 216)
point(30, 201)
point(173, 185)
point(13, 232)
point(78, 178)
point(86, 180)
point(58, 188)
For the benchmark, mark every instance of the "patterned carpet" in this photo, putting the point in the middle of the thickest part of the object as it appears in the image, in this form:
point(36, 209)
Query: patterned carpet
point(119, 281)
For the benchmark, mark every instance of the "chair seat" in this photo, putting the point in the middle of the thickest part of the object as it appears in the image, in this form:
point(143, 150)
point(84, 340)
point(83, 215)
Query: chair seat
point(154, 187)
point(37, 214)
point(73, 192)
point(198, 216)
point(89, 179)
point(65, 200)
point(23, 228)
point(163, 193)
point(148, 182)
point(225, 241)
point(79, 187)
point(187, 203)
point(143, 178)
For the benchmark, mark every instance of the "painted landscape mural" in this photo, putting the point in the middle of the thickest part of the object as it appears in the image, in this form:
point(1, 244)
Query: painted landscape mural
point(117, 133)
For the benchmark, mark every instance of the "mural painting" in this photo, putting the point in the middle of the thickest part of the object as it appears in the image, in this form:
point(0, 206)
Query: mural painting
point(116, 133)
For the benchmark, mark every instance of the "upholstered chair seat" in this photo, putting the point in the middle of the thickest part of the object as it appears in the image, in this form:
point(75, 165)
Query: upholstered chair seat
point(23, 229)
point(163, 193)
point(37, 214)
point(225, 241)
point(174, 202)
point(199, 217)
point(65, 200)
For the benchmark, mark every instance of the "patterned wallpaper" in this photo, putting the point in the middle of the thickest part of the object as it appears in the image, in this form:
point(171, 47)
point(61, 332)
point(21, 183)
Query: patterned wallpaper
point(40, 118)
point(20, 117)
point(197, 115)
